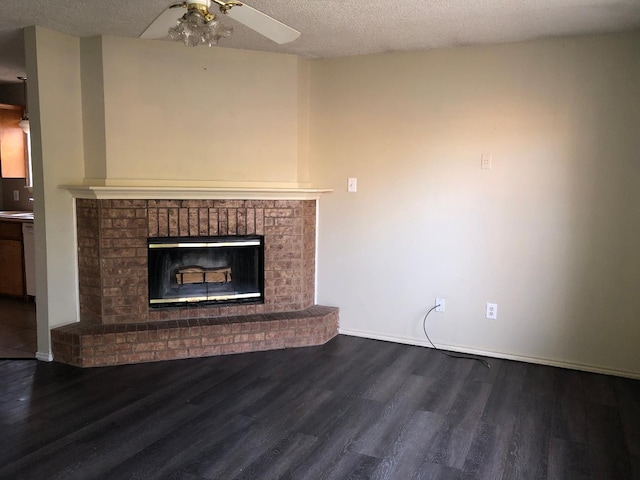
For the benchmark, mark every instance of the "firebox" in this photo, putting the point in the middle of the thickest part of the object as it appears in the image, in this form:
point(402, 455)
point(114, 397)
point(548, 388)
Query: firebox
point(209, 270)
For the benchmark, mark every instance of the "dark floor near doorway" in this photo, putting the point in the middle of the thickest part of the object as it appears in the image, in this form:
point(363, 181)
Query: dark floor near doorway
point(353, 408)
point(17, 329)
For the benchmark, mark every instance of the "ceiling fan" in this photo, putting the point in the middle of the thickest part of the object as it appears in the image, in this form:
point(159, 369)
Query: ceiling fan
point(200, 26)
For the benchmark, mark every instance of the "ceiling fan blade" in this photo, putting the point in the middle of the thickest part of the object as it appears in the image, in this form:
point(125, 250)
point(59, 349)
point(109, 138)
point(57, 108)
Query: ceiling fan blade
point(263, 24)
point(159, 28)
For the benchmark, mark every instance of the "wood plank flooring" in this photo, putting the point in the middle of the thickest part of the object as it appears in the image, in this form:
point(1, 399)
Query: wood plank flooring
point(351, 409)
point(18, 334)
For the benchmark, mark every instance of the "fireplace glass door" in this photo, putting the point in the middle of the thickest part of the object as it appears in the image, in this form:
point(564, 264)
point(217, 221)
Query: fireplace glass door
point(209, 270)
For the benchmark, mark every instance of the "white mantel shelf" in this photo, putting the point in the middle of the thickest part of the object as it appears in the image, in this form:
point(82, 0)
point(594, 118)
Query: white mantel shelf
point(192, 193)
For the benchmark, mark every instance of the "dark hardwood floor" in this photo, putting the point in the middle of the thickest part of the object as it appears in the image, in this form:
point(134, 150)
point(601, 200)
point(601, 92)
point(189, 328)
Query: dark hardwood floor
point(18, 331)
point(351, 409)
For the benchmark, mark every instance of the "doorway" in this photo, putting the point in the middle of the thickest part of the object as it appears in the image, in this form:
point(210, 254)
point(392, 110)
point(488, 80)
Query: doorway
point(18, 332)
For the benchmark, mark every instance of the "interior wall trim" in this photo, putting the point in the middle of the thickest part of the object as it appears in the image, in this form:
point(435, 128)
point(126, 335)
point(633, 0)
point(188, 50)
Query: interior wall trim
point(192, 193)
point(44, 357)
point(487, 353)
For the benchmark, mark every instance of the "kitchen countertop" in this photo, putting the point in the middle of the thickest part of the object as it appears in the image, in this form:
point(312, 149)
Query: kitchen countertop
point(16, 216)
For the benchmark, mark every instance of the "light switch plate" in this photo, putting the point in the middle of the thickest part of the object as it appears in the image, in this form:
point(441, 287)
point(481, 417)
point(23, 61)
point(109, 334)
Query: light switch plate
point(352, 185)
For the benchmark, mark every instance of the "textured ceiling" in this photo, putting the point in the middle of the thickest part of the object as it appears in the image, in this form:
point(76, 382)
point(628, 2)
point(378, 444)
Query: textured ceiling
point(333, 28)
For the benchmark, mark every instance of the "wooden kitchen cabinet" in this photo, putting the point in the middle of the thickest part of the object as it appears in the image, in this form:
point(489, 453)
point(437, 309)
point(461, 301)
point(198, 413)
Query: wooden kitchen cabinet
point(13, 160)
point(12, 281)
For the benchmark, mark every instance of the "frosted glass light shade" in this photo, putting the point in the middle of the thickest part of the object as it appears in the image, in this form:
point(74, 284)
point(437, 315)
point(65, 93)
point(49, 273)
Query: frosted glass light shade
point(24, 125)
point(193, 30)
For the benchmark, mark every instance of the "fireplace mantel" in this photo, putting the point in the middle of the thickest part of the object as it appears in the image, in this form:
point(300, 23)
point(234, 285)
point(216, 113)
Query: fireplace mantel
point(192, 193)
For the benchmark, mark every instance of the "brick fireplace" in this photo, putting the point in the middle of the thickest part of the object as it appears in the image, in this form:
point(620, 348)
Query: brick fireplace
point(116, 323)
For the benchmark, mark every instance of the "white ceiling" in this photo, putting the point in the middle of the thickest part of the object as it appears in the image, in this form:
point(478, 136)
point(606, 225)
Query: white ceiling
point(332, 28)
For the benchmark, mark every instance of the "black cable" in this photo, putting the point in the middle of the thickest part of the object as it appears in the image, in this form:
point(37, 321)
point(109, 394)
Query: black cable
point(465, 356)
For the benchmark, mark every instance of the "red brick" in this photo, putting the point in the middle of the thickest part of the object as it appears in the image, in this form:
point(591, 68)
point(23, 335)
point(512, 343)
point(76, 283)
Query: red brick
point(171, 354)
point(184, 343)
point(130, 242)
point(274, 343)
point(194, 222)
point(149, 346)
point(241, 338)
point(142, 336)
point(161, 224)
point(203, 222)
point(223, 224)
point(280, 334)
point(217, 340)
point(112, 348)
point(109, 338)
point(206, 330)
point(163, 203)
point(279, 212)
point(237, 348)
point(225, 329)
point(189, 332)
point(206, 351)
point(256, 337)
point(229, 203)
point(129, 223)
point(136, 357)
point(105, 361)
point(232, 221)
point(259, 221)
point(213, 222)
point(119, 252)
point(174, 222)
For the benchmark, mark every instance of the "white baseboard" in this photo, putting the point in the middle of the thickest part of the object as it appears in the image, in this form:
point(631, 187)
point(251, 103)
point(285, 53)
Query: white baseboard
point(485, 353)
point(44, 357)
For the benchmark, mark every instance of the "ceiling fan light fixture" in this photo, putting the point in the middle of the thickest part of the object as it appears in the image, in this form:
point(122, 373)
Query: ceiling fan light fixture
point(199, 27)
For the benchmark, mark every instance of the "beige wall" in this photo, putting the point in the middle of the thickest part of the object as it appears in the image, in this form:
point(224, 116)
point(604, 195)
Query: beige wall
point(304, 98)
point(550, 233)
point(93, 107)
point(197, 114)
point(55, 110)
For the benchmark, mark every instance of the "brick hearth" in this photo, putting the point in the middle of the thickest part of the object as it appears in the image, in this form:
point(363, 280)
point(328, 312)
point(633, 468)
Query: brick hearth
point(86, 345)
point(113, 284)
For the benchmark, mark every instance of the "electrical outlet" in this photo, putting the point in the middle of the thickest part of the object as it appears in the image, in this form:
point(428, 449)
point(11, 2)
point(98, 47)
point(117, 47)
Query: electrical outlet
point(440, 304)
point(492, 311)
point(16, 195)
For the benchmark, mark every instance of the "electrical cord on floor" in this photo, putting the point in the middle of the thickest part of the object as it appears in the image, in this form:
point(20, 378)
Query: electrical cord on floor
point(452, 355)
